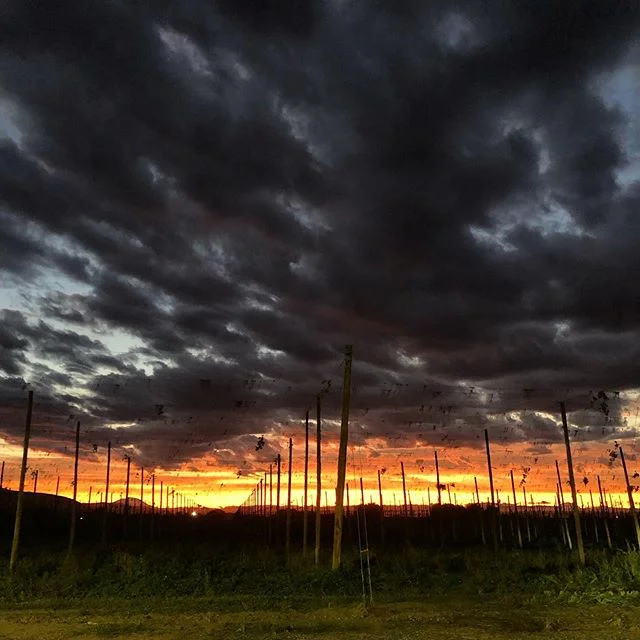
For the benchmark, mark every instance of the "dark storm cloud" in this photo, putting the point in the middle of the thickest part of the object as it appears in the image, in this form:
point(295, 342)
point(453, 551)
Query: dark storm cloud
point(245, 187)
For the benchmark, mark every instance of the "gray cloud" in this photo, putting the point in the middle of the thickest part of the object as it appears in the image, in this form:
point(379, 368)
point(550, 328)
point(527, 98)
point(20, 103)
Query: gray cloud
point(243, 190)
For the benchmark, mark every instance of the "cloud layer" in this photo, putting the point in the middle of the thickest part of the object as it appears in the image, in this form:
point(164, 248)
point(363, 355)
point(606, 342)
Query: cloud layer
point(201, 203)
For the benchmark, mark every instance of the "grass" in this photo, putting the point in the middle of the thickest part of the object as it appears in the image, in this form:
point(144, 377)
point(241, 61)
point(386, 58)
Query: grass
point(132, 593)
point(446, 618)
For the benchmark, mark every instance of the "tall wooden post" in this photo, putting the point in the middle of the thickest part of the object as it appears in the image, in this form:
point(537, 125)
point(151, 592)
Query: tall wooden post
point(35, 481)
point(74, 503)
point(141, 490)
point(526, 513)
point(259, 496)
point(593, 517)
point(404, 490)
point(632, 504)
point(572, 481)
point(264, 495)
point(365, 551)
point(288, 523)
point(318, 482)
point(381, 508)
point(23, 472)
point(278, 464)
point(488, 449)
point(126, 490)
point(2, 475)
point(342, 459)
point(106, 495)
point(306, 484)
point(602, 502)
point(515, 509)
point(153, 507)
point(270, 488)
point(435, 453)
point(494, 516)
point(560, 486)
point(480, 513)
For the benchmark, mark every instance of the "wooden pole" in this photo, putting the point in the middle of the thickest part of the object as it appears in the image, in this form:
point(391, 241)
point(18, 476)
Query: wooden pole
point(632, 504)
point(342, 459)
point(560, 486)
point(106, 495)
point(288, 523)
point(126, 491)
point(152, 527)
point(2, 475)
point(270, 488)
point(494, 524)
point(366, 542)
point(141, 490)
point(515, 509)
point(318, 482)
point(404, 490)
point(526, 513)
point(488, 449)
point(381, 508)
point(572, 481)
point(594, 518)
point(306, 484)
point(35, 482)
point(23, 472)
point(602, 503)
point(435, 453)
point(264, 494)
point(74, 504)
point(482, 535)
point(278, 464)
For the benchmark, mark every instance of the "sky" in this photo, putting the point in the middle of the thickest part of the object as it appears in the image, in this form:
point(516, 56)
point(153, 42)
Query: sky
point(202, 203)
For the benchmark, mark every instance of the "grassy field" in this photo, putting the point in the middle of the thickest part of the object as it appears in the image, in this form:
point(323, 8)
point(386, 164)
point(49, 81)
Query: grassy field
point(190, 593)
point(440, 618)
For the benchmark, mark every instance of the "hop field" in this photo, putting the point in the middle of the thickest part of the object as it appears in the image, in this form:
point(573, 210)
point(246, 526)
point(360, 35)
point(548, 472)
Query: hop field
point(134, 593)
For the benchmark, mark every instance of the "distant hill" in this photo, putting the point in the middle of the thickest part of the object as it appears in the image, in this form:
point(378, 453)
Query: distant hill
point(40, 500)
point(48, 500)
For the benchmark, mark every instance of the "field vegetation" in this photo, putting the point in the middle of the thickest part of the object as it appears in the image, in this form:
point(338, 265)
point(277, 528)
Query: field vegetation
point(133, 591)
